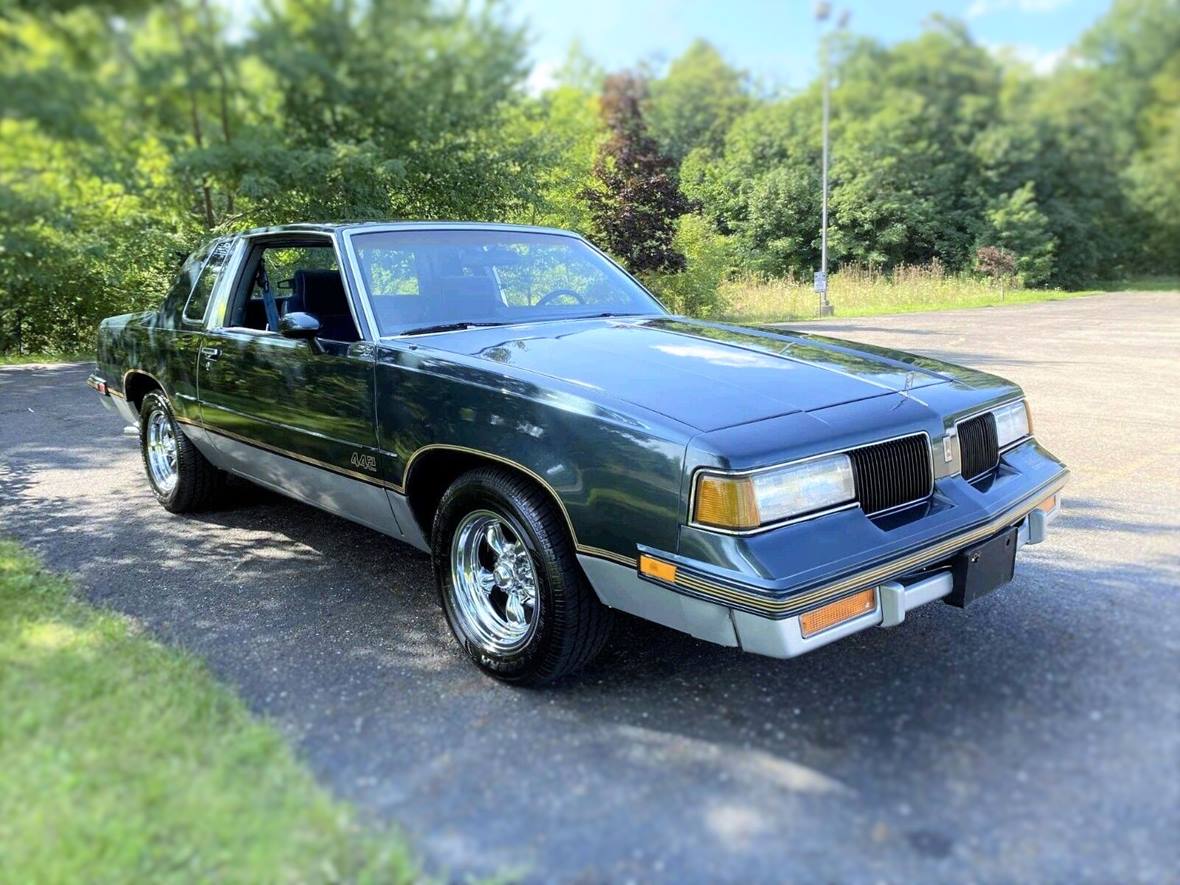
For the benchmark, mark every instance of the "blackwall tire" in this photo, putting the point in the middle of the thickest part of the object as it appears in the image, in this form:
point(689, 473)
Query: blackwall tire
point(542, 620)
point(179, 476)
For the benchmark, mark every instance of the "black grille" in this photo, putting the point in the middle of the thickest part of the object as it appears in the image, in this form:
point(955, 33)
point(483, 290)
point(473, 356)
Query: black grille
point(891, 474)
point(978, 447)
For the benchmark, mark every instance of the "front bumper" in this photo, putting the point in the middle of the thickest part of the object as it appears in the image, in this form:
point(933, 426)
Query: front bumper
point(936, 540)
point(780, 637)
point(752, 591)
point(783, 638)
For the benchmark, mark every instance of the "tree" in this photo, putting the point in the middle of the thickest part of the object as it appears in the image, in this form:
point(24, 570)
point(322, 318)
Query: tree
point(695, 103)
point(133, 129)
point(566, 128)
point(1017, 226)
point(635, 199)
point(1135, 55)
point(695, 290)
point(904, 183)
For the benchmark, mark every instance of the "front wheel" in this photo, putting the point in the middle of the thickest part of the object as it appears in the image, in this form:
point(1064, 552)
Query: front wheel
point(510, 584)
point(180, 477)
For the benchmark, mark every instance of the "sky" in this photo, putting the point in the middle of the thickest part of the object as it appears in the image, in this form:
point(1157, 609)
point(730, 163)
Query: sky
point(775, 41)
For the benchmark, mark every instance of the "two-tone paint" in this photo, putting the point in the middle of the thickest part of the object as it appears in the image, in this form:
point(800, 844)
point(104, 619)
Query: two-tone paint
point(614, 417)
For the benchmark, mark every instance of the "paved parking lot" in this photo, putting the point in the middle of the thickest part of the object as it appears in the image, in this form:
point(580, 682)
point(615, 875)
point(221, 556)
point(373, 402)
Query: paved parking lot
point(1034, 736)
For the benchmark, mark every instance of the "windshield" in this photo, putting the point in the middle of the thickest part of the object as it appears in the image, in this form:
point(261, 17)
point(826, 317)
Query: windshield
point(424, 280)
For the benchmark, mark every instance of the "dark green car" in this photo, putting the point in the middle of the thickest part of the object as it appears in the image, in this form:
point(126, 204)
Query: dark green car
point(512, 401)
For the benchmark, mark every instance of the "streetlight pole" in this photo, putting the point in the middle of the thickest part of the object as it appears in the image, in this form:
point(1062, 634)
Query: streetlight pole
point(823, 10)
point(825, 306)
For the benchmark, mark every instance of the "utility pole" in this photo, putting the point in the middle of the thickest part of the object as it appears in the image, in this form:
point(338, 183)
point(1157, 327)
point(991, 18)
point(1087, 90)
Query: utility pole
point(823, 11)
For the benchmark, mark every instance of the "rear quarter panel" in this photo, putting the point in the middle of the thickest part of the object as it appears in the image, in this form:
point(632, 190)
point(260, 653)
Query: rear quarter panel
point(143, 343)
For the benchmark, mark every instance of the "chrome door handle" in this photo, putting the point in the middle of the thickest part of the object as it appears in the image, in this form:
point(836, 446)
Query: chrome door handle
point(210, 353)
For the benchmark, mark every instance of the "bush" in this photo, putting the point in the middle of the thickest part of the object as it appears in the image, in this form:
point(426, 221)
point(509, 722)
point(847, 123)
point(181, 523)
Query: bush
point(696, 290)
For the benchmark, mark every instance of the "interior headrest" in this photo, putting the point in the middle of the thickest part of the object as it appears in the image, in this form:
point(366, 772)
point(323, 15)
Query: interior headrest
point(471, 291)
point(319, 292)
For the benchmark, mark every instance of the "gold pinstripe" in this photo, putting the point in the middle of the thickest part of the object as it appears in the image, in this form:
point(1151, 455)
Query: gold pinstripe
point(295, 456)
point(400, 489)
point(581, 548)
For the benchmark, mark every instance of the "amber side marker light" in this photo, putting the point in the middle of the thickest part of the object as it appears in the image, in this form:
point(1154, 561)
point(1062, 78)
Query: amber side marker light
point(1048, 504)
point(838, 612)
point(657, 568)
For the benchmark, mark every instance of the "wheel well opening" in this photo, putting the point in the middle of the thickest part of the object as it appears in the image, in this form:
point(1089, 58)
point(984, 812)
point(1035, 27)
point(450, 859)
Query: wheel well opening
point(138, 385)
point(432, 473)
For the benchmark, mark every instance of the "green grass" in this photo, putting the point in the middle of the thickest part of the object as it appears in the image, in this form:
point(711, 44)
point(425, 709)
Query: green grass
point(24, 359)
point(861, 292)
point(123, 761)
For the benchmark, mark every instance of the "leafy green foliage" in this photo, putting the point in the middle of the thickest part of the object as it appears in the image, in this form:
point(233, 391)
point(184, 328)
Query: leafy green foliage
point(636, 199)
point(131, 129)
point(939, 148)
point(1020, 229)
point(696, 101)
point(709, 259)
point(565, 129)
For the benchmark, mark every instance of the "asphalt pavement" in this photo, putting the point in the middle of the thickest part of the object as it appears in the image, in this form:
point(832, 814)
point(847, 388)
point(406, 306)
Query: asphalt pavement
point(1034, 736)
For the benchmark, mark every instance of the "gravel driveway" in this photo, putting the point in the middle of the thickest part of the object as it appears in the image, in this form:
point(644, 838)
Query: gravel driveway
point(1034, 736)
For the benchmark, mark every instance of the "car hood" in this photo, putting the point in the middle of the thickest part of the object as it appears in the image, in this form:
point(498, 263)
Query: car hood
point(705, 375)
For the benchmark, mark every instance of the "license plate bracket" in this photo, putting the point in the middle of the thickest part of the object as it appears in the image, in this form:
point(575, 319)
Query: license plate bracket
point(979, 570)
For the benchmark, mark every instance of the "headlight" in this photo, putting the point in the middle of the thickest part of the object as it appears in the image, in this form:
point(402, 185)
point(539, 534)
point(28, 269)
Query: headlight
point(1012, 423)
point(771, 496)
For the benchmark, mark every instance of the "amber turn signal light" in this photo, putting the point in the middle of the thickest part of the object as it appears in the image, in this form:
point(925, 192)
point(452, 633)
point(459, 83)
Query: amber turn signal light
point(838, 612)
point(1048, 504)
point(657, 568)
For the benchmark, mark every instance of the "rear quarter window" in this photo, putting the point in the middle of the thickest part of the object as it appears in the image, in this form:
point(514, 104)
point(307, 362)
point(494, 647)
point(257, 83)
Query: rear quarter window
point(198, 300)
point(182, 286)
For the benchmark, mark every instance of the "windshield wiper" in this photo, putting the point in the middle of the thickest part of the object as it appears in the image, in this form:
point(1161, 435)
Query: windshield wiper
point(446, 327)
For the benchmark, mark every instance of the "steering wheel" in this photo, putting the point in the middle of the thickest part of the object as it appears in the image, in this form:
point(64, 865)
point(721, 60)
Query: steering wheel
point(556, 293)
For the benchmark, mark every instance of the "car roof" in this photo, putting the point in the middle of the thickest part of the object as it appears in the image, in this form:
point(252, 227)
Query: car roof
point(333, 227)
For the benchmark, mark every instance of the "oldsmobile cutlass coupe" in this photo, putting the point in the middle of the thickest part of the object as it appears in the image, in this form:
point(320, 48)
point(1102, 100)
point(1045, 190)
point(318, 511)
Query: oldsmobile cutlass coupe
point(510, 400)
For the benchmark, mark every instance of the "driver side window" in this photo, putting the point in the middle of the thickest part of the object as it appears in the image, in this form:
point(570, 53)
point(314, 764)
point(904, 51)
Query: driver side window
point(295, 278)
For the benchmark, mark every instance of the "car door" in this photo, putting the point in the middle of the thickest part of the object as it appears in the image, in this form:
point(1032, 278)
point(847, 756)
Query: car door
point(294, 415)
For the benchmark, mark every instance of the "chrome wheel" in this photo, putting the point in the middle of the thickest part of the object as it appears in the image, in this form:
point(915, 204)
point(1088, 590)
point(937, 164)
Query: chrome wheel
point(161, 451)
point(495, 583)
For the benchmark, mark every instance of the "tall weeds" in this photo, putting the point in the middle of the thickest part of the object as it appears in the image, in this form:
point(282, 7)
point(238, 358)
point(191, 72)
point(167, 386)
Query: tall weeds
point(857, 290)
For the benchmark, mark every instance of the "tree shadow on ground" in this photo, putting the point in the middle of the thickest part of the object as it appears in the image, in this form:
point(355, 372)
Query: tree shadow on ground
point(726, 762)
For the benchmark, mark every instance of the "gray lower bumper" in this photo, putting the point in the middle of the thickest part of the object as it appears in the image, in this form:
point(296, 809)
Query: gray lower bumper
point(113, 401)
point(620, 587)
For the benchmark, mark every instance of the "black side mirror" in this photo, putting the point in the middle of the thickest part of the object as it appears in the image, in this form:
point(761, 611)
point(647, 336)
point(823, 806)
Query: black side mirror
point(301, 325)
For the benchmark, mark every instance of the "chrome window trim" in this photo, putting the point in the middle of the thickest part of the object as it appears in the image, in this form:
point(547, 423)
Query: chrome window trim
point(245, 243)
point(227, 262)
point(219, 300)
point(791, 520)
point(185, 319)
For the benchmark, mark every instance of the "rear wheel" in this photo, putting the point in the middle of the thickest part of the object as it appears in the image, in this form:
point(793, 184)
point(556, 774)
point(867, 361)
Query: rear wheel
point(509, 581)
point(179, 475)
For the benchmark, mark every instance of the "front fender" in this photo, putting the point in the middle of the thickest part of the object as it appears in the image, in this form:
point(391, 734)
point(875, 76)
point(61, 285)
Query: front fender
point(617, 477)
